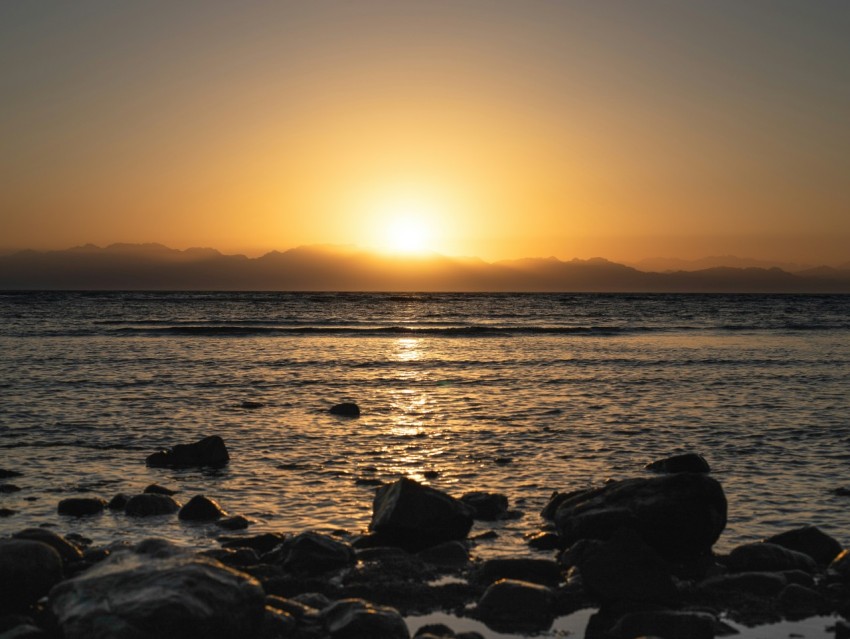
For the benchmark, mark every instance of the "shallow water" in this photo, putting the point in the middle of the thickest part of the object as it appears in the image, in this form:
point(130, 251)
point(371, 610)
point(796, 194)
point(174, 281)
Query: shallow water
point(517, 394)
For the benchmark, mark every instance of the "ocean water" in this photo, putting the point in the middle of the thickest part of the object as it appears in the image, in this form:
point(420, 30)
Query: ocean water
point(518, 394)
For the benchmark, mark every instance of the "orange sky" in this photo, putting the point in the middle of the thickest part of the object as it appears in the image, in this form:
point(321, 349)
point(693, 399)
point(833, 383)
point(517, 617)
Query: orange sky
point(502, 129)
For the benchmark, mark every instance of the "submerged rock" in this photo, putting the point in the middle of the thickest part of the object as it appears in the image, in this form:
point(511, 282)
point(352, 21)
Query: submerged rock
point(686, 463)
point(412, 516)
point(28, 569)
point(346, 409)
point(150, 504)
point(811, 541)
point(201, 508)
point(359, 619)
point(81, 506)
point(679, 515)
point(209, 451)
point(148, 597)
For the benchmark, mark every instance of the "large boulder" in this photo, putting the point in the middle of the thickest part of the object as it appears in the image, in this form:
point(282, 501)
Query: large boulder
point(28, 569)
point(209, 451)
point(144, 596)
point(412, 516)
point(679, 515)
point(150, 504)
point(359, 619)
point(201, 508)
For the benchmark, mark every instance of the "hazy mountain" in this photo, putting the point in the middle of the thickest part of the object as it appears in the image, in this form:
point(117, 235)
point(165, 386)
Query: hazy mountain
point(665, 264)
point(156, 267)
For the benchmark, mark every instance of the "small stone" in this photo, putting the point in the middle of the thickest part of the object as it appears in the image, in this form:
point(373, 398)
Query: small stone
point(150, 504)
point(118, 502)
point(346, 409)
point(263, 543)
point(81, 506)
point(201, 508)
point(237, 522)
point(543, 541)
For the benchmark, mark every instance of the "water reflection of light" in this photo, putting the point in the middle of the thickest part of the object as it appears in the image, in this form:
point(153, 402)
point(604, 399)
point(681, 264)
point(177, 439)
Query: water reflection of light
point(408, 349)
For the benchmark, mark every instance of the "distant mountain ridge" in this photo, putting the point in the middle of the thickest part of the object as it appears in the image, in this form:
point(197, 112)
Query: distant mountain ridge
point(347, 268)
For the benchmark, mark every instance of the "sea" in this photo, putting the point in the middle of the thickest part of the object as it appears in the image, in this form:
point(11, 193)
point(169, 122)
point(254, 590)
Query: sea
point(520, 394)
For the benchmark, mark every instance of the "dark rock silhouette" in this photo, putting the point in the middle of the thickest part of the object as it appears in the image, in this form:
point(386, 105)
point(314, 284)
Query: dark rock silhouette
point(81, 506)
point(515, 606)
point(408, 514)
point(768, 557)
point(28, 569)
point(486, 506)
point(810, 540)
point(680, 515)
point(201, 508)
point(150, 504)
point(159, 490)
point(209, 451)
point(355, 618)
point(346, 409)
point(686, 463)
point(67, 551)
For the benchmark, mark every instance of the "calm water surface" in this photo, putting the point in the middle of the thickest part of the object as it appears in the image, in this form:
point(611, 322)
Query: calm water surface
point(520, 394)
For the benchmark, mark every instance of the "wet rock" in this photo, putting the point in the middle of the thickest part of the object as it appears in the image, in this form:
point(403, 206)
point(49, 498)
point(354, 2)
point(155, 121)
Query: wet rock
point(434, 630)
point(67, 550)
point(150, 504)
point(668, 624)
point(763, 556)
point(811, 541)
point(412, 516)
point(312, 552)
point(313, 599)
point(7, 512)
point(359, 619)
point(5, 473)
point(201, 508)
point(297, 609)
point(543, 541)
point(761, 584)
point(235, 558)
point(840, 566)
point(539, 571)
point(9, 488)
point(381, 553)
point(209, 451)
point(450, 553)
point(517, 606)
point(28, 569)
point(574, 555)
point(626, 569)
point(486, 506)
point(800, 602)
point(159, 490)
point(346, 409)
point(686, 463)
point(144, 596)
point(81, 506)
point(118, 502)
point(237, 522)
point(266, 542)
point(679, 515)
point(25, 631)
point(249, 405)
point(277, 624)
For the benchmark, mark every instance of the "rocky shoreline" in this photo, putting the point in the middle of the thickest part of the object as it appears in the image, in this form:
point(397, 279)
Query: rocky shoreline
point(638, 551)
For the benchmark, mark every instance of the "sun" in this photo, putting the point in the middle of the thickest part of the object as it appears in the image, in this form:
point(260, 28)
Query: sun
point(406, 226)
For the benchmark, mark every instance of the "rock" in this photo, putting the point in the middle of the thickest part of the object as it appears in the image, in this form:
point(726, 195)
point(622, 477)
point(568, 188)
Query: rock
point(486, 506)
point(312, 552)
point(9, 488)
point(67, 551)
point(799, 602)
point(234, 558)
point(762, 556)
point(201, 508)
point(666, 623)
point(626, 569)
point(346, 409)
point(539, 571)
point(81, 506)
point(118, 502)
point(450, 553)
point(810, 540)
point(687, 463)
point(679, 515)
point(147, 597)
point(434, 630)
point(842, 630)
point(7, 512)
point(150, 504)
point(840, 566)
point(28, 570)
point(159, 490)
point(517, 606)
point(761, 584)
point(408, 514)
point(5, 473)
point(25, 631)
point(543, 541)
point(277, 624)
point(237, 522)
point(209, 451)
point(359, 619)
point(249, 405)
point(313, 599)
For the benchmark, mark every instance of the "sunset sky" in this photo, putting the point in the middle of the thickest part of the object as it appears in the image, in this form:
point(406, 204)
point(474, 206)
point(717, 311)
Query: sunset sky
point(500, 129)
